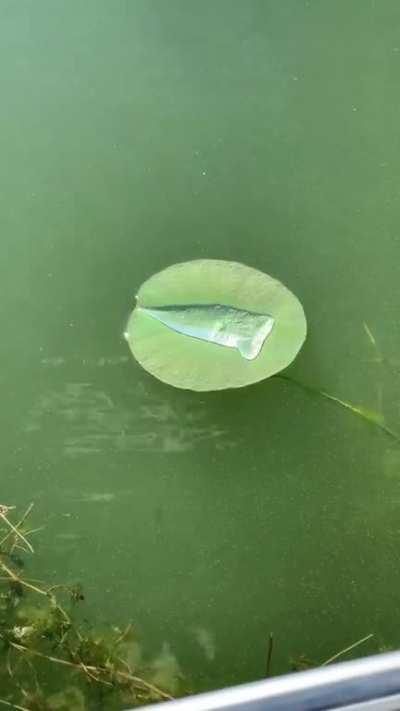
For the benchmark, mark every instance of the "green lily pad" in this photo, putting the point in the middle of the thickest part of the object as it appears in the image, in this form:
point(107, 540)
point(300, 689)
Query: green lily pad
point(211, 324)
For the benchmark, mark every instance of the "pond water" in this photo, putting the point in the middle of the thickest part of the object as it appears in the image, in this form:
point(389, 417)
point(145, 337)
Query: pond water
point(139, 134)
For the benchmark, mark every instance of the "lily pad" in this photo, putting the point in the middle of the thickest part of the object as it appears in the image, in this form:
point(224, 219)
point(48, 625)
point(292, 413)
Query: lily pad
point(209, 324)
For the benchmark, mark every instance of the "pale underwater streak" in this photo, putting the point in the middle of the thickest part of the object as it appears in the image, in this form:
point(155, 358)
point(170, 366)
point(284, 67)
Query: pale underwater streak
point(215, 323)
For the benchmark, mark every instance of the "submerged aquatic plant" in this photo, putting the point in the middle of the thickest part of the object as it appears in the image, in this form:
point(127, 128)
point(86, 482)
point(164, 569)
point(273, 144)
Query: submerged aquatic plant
point(40, 629)
point(209, 324)
point(369, 415)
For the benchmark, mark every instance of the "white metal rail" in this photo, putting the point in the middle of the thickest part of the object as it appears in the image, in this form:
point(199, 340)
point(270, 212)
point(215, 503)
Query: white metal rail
point(369, 684)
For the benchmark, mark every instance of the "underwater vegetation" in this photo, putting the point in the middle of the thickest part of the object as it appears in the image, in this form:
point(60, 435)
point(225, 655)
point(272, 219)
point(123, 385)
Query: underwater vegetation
point(53, 659)
point(42, 631)
point(210, 324)
point(374, 417)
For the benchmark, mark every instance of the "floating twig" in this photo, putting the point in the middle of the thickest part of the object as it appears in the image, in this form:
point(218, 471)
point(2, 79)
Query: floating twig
point(367, 415)
point(14, 529)
point(16, 579)
point(124, 634)
point(13, 706)
point(347, 649)
point(26, 631)
point(371, 337)
point(269, 653)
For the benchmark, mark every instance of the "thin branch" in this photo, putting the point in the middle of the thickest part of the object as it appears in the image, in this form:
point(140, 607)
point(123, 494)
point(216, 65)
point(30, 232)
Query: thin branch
point(370, 336)
point(25, 515)
point(13, 706)
point(8, 664)
point(6, 509)
point(14, 529)
point(138, 681)
point(47, 593)
point(94, 677)
point(365, 414)
point(30, 531)
point(269, 653)
point(108, 674)
point(347, 649)
point(123, 634)
point(19, 580)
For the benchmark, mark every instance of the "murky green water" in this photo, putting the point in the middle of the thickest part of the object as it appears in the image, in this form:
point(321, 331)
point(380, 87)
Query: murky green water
point(139, 134)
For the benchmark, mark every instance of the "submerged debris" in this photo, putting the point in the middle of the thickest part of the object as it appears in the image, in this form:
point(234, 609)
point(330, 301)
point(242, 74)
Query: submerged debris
point(223, 325)
point(40, 629)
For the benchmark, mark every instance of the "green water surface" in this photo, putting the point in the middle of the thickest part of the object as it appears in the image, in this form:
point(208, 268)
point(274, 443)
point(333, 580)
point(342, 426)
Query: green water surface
point(135, 134)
